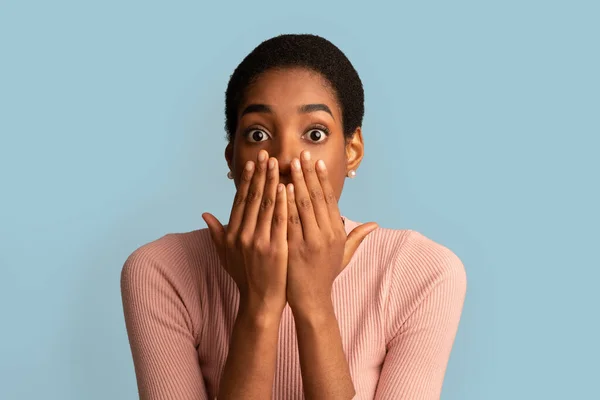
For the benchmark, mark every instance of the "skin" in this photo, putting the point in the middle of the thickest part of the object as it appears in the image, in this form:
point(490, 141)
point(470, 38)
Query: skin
point(284, 91)
point(285, 242)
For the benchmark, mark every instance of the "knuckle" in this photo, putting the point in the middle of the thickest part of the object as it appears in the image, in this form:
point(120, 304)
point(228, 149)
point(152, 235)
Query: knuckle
point(331, 239)
point(330, 198)
point(253, 195)
point(247, 176)
point(304, 250)
point(305, 203)
point(260, 167)
point(271, 177)
point(316, 194)
point(260, 245)
point(245, 240)
point(239, 199)
point(294, 219)
point(313, 245)
point(230, 241)
point(316, 244)
point(278, 220)
point(278, 251)
point(266, 203)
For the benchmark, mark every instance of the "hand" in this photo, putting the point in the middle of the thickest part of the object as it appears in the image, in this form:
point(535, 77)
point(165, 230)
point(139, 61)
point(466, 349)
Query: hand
point(253, 247)
point(318, 247)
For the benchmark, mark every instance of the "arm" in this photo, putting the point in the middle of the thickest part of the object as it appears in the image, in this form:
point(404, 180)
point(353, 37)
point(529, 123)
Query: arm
point(418, 353)
point(162, 335)
point(160, 331)
point(325, 371)
point(250, 366)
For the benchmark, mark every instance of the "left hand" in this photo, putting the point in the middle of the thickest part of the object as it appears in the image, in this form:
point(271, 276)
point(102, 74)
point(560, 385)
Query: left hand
point(318, 248)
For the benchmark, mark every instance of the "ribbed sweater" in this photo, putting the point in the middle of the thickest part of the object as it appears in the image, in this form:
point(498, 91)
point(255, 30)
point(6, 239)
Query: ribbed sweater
point(398, 304)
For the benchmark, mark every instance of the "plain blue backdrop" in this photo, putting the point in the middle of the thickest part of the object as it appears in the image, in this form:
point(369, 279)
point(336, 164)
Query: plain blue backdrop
point(481, 131)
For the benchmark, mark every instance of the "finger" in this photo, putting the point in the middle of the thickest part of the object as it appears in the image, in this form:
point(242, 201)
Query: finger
point(294, 227)
point(280, 220)
point(328, 193)
point(239, 202)
point(255, 194)
point(355, 238)
point(303, 202)
point(315, 192)
point(217, 234)
point(265, 214)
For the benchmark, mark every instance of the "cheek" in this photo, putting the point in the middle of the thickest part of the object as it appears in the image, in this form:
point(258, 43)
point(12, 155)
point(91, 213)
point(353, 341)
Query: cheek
point(336, 169)
point(242, 155)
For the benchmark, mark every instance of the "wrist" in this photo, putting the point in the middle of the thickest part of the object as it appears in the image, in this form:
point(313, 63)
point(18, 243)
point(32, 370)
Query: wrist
point(259, 315)
point(314, 312)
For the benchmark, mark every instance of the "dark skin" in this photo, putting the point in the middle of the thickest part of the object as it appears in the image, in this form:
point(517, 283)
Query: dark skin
point(286, 242)
point(288, 130)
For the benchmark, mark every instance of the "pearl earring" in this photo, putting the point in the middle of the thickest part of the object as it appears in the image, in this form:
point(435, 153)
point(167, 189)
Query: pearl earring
point(230, 175)
point(351, 173)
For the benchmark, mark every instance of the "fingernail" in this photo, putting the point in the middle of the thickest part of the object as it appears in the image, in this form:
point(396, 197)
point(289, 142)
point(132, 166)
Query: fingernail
point(271, 163)
point(321, 165)
point(249, 165)
point(262, 156)
point(280, 187)
point(296, 163)
point(306, 155)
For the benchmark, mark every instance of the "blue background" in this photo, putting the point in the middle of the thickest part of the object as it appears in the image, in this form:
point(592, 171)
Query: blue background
point(481, 130)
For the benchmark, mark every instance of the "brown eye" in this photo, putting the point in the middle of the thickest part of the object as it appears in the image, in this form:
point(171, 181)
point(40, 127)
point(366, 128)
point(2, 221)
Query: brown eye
point(317, 135)
point(256, 135)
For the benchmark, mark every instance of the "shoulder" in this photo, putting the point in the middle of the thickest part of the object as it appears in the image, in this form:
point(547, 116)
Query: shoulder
point(162, 282)
point(175, 257)
point(412, 262)
point(380, 246)
point(422, 268)
point(422, 274)
point(426, 261)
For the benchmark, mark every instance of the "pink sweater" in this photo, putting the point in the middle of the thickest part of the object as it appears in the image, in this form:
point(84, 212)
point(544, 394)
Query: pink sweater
point(398, 304)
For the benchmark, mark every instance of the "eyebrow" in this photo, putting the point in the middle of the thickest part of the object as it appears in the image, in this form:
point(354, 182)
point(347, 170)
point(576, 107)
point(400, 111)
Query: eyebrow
point(304, 109)
point(257, 108)
point(308, 108)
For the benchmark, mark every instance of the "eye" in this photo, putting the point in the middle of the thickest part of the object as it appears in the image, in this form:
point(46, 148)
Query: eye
point(255, 135)
point(317, 134)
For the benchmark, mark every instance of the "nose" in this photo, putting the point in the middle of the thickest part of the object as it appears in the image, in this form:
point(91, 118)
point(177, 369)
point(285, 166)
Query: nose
point(284, 165)
point(284, 150)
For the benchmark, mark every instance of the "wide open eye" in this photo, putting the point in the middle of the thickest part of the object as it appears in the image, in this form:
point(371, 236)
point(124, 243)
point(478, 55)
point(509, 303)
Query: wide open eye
point(317, 134)
point(256, 135)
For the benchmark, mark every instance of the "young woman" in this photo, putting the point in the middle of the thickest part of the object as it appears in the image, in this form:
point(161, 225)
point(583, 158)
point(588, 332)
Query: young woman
point(291, 299)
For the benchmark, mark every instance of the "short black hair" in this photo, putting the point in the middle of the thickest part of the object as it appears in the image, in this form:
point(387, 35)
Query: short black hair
point(299, 50)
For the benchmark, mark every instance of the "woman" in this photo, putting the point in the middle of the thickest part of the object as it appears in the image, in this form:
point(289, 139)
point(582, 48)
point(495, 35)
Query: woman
point(290, 299)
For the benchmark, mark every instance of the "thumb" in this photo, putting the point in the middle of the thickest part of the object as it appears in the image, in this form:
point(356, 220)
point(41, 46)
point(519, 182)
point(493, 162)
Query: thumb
point(216, 229)
point(355, 238)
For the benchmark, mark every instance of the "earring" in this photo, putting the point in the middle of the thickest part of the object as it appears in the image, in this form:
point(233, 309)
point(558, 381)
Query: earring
point(351, 173)
point(230, 175)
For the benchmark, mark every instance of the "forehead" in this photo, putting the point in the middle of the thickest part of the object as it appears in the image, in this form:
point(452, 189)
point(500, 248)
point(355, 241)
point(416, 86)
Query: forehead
point(289, 88)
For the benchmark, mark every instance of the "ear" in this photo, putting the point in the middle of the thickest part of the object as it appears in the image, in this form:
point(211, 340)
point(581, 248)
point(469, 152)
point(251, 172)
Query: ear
point(229, 155)
point(355, 150)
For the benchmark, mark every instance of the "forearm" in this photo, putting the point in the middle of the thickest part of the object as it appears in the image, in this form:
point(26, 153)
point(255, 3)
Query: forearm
point(250, 365)
point(325, 370)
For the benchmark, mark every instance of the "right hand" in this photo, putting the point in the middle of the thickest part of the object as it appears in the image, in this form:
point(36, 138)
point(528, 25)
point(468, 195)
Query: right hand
point(253, 247)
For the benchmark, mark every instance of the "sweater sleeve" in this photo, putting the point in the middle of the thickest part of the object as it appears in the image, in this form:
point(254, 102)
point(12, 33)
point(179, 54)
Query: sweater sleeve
point(158, 300)
point(421, 337)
